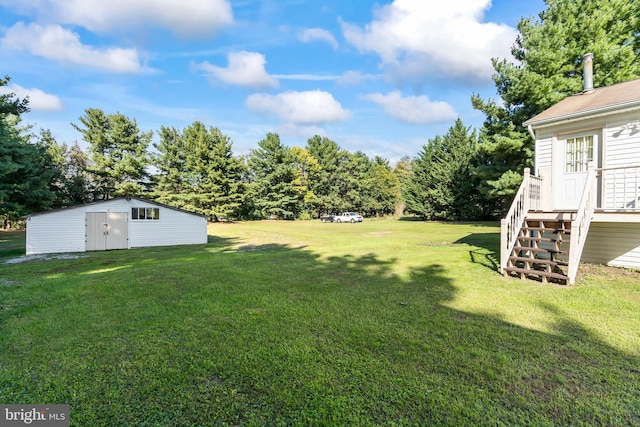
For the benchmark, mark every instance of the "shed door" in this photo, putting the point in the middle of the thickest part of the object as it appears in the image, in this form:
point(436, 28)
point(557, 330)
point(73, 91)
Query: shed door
point(571, 169)
point(106, 231)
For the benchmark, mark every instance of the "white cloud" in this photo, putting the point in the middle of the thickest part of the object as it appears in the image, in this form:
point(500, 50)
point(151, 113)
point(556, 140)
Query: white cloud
point(313, 34)
point(61, 45)
point(413, 109)
point(300, 131)
point(244, 69)
point(307, 77)
point(38, 99)
point(355, 77)
point(185, 17)
point(310, 107)
point(417, 38)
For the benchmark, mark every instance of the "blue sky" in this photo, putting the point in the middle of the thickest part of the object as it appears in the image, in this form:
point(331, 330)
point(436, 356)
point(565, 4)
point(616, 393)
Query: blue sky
point(380, 77)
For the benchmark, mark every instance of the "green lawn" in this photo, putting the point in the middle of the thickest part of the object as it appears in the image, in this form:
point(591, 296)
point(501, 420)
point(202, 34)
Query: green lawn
point(304, 323)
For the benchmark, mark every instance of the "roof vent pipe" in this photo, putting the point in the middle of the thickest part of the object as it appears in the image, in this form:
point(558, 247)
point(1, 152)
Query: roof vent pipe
point(587, 73)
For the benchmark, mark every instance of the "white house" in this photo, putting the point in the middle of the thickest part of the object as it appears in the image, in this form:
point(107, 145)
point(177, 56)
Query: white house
point(120, 223)
point(583, 200)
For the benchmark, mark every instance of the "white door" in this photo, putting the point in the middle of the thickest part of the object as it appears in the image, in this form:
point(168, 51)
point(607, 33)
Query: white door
point(106, 231)
point(570, 170)
point(117, 236)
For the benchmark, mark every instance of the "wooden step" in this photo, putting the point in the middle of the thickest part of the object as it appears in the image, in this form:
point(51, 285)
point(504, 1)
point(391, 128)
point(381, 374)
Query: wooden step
point(538, 261)
point(539, 239)
point(526, 260)
point(541, 273)
point(548, 229)
point(529, 248)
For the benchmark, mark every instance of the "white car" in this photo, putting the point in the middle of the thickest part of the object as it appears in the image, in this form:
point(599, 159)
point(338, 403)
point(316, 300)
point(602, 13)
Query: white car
point(348, 217)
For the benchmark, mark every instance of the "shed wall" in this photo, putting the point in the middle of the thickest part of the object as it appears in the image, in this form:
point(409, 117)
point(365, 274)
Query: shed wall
point(65, 230)
point(61, 231)
point(173, 228)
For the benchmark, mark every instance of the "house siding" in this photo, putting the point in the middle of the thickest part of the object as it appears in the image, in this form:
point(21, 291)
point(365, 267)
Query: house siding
point(623, 149)
point(65, 230)
point(614, 244)
point(544, 150)
point(623, 142)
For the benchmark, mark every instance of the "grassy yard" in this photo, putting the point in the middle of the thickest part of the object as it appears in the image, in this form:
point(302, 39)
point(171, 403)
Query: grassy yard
point(304, 323)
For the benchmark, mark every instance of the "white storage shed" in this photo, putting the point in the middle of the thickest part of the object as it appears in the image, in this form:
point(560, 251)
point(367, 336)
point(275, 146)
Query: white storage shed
point(120, 223)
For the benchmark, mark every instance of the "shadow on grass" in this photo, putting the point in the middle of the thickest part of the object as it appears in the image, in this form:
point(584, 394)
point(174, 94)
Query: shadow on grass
point(212, 335)
point(12, 244)
point(489, 256)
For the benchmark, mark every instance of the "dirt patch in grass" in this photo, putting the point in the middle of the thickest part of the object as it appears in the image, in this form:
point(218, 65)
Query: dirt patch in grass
point(378, 233)
point(608, 271)
point(42, 258)
point(437, 243)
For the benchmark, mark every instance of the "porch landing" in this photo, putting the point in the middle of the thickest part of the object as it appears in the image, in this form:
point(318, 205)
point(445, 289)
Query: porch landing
point(598, 216)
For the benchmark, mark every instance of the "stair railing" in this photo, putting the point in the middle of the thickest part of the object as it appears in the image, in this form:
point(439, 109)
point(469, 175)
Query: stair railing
point(580, 225)
point(511, 224)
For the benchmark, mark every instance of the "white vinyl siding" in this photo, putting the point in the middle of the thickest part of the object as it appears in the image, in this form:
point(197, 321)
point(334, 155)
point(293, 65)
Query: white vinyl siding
point(173, 228)
point(61, 231)
point(623, 143)
point(616, 244)
point(65, 230)
point(544, 150)
point(622, 187)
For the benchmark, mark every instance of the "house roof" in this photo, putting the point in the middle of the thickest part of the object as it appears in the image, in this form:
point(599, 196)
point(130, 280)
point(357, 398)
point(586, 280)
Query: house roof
point(117, 198)
point(604, 100)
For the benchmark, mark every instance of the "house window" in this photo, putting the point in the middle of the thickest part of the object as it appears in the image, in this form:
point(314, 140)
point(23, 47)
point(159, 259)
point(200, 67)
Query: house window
point(145, 213)
point(579, 152)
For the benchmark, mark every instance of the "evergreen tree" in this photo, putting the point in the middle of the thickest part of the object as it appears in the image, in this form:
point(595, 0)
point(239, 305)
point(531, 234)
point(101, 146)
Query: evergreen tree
point(546, 68)
point(56, 161)
point(326, 186)
point(273, 175)
point(25, 171)
point(213, 173)
point(352, 182)
point(442, 185)
point(197, 172)
point(118, 152)
point(171, 184)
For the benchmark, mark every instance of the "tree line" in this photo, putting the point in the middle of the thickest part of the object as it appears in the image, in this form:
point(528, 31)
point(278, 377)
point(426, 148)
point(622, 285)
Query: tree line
point(465, 174)
point(192, 168)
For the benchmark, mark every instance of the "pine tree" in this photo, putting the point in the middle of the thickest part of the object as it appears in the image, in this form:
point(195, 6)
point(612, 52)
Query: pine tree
point(118, 152)
point(442, 183)
point(198, 172)
point(25, 167)
point(326, 186)
point(273, 175)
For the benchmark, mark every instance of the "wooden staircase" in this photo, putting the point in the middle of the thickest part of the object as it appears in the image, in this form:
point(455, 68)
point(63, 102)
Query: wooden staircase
point(541, 250)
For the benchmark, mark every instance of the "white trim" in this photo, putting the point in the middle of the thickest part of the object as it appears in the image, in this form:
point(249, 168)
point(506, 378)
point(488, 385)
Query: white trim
point(584, 115)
